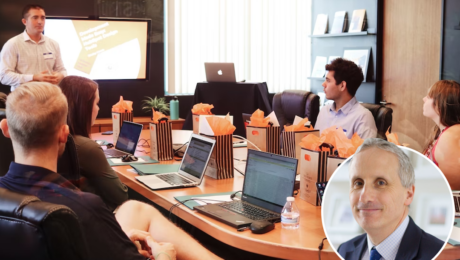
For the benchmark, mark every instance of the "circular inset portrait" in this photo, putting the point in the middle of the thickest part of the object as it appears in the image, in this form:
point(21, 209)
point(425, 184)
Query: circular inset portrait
point(387, 202)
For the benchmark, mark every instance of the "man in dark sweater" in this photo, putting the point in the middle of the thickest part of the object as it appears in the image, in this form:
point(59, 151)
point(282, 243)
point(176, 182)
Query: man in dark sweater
point(36, 123)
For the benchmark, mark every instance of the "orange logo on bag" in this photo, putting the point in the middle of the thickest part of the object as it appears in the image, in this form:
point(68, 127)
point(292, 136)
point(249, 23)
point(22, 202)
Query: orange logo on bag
point(255, 132)
point(151, 127)
point(307, 157)
point(197, 119)
point(114, 116)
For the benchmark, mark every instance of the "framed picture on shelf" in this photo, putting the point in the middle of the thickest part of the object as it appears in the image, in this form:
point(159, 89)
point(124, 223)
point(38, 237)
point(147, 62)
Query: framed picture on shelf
point(434, 215)
point(342, 221)
point(319, 69)
point(360, 56)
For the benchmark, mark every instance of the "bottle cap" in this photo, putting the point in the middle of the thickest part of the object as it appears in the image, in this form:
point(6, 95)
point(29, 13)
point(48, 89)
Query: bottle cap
point(290, 199)
point(175, 97)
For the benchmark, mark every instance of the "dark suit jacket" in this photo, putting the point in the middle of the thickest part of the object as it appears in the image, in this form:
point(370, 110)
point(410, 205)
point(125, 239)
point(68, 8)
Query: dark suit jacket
point(415, 244)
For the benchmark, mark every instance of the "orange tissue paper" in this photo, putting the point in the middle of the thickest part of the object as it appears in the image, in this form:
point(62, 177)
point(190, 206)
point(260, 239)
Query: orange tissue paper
point(337, 138)
point(220, 126)
point(299, 127)
point(258, 120)
point(392, 138)
point(157, 116)
point(202, 109)
point(123, 106)
point(310, 142)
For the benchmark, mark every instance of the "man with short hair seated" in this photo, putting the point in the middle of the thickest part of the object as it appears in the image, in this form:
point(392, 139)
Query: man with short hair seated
point(36, 123)
point(342, 81)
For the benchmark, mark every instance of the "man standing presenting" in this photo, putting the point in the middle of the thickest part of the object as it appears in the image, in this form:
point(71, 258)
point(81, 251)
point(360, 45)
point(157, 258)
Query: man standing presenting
point(342, 81)
point(31, 56)
point(381, 189)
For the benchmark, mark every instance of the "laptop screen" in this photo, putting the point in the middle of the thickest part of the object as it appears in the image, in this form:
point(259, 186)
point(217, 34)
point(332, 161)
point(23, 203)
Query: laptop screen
point(269, 177)
point(129, 136)
point(196, 157)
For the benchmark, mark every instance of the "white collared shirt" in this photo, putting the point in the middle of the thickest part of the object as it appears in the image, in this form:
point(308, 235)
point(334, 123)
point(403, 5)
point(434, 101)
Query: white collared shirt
point(21, 58)
point(389, 247)
point(352, 117)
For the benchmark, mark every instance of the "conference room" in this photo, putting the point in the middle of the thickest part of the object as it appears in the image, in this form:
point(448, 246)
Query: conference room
point(274, 78)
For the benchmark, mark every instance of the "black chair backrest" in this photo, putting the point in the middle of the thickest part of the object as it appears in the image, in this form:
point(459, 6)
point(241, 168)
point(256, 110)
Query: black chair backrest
point(383, 117)
point(291, 103)
point(6, 150)
point(33, 229)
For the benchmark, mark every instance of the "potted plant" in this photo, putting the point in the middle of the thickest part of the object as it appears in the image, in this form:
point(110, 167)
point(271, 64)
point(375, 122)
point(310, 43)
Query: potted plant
point(159, 104)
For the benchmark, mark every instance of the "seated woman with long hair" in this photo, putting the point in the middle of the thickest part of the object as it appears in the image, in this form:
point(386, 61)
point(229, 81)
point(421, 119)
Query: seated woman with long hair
point(83, 98)
point(442, 105)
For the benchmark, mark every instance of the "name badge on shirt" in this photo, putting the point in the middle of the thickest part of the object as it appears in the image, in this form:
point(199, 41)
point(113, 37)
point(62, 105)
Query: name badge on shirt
point(48, 55)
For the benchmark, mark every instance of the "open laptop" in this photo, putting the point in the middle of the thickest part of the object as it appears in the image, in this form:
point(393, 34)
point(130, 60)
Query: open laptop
point(127, 140)
point(191, 170)
point(268, 181)
point(220, 71)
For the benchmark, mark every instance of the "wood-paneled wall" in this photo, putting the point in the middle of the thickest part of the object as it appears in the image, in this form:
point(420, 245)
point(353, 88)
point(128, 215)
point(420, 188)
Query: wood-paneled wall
point(411, 53)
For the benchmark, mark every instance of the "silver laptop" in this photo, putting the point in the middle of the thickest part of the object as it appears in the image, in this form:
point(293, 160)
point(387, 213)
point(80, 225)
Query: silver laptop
point(220, 71)
point(127, 140)
point(191, 170)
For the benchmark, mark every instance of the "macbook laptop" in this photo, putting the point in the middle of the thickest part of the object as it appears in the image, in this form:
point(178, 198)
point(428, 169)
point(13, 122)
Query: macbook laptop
point(220, 71)
point(127, 140)
point(191, 170)
point(268, 181)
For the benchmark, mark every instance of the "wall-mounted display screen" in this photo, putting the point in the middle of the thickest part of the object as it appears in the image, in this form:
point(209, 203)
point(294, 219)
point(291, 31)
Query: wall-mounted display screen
point(102, 49)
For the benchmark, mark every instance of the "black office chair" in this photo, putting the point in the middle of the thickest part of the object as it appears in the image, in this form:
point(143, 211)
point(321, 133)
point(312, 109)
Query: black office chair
point(32, 229)
point(291, 103)
point(6, 151)
point(383, 117)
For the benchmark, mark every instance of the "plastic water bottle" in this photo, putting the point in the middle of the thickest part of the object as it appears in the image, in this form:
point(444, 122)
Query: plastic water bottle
point(290, 215)
point(174, 108)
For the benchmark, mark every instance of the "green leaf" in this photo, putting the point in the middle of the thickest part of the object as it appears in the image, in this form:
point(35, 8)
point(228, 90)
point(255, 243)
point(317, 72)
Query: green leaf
point(159, 104)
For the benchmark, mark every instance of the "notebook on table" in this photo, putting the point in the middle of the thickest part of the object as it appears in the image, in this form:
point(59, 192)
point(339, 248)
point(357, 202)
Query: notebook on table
point(127, 140)
point(191, 169)
point(268, 181)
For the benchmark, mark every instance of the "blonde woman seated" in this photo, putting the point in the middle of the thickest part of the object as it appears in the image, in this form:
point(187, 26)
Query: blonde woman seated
point(442, 105)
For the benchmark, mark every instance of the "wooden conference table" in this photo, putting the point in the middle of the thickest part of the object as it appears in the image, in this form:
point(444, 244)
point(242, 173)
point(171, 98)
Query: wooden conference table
point(295, 244)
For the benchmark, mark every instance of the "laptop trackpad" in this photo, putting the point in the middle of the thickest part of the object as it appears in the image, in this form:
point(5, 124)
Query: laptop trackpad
point(228, 215)
point(152, 181)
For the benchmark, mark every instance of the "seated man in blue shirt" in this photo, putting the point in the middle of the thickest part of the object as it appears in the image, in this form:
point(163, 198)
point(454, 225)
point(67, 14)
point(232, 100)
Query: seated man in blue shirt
point(342, 81)
point(382, 186)
point(36, 123)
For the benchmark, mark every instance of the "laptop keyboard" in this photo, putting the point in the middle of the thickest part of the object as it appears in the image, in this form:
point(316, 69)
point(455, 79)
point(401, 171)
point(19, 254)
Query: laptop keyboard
point(174, 179)
point(114, 153)
point(248, 210)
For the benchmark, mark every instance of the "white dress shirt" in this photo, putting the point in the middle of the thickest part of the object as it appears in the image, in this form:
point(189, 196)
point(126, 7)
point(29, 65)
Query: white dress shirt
point(389, 247)
point(21, 58)
point(352, 117)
